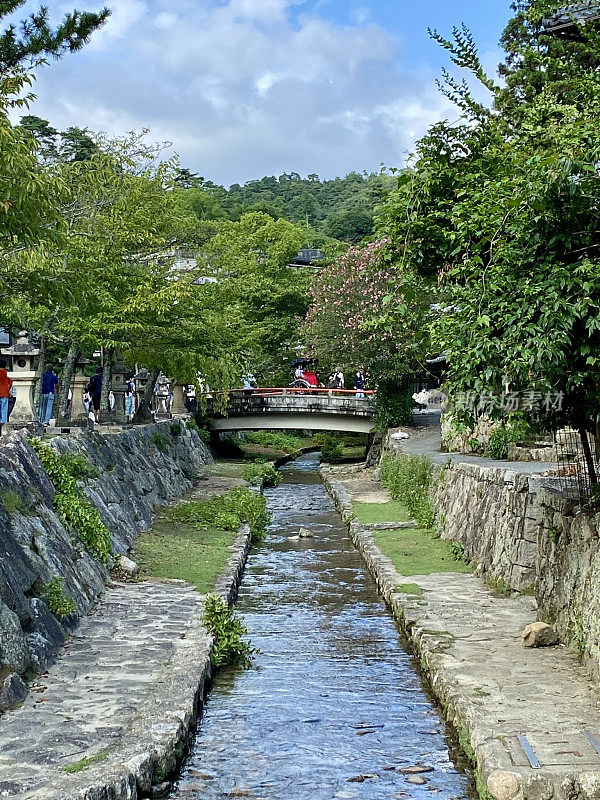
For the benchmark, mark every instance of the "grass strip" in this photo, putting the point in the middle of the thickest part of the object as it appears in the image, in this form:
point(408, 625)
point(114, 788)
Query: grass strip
point(392, 511)
point(418, 551)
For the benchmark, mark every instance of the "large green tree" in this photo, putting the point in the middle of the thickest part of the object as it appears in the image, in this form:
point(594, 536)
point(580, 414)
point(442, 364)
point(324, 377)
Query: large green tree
point(501, 211)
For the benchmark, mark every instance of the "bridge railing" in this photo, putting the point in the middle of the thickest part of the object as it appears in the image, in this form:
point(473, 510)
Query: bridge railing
point(290, 398)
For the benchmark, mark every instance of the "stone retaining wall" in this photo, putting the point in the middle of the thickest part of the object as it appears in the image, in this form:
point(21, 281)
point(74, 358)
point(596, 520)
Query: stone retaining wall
point(494, 514)
point(135, 477)
point(527, 537)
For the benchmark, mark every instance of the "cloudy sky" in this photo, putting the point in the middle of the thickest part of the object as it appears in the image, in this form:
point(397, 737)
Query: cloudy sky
point(246, 88)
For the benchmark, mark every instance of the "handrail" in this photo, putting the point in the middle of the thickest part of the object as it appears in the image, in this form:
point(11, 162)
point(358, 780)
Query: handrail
point(283, 390)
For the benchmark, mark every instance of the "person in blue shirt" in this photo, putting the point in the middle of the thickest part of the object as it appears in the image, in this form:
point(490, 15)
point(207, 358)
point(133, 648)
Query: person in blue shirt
point(49, 382)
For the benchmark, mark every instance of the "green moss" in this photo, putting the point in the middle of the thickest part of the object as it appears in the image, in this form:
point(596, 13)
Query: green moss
point(183, 552)
point(528, 592)
point(464, 739)
point(417, 551)
point(84, 763)
point(160, 441)
point(13, 501)
point(78, 466)
point(411, 588)
point(393, 511)
point(482, 790)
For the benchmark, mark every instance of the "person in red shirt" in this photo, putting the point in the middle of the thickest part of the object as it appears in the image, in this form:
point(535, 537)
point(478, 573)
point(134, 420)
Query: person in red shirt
point(5, 387)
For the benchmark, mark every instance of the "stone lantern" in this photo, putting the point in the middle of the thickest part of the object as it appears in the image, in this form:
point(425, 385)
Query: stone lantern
point(79, 381)
point(118, 386)
point(179, 397)
point(163, 397)
point(22, 354)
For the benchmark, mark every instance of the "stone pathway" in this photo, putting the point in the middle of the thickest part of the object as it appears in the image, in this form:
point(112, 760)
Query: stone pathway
point(469, 641)
point(123, 685)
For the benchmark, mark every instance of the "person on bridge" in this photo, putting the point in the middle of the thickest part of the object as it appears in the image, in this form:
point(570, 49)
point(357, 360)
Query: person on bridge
point(359, 383)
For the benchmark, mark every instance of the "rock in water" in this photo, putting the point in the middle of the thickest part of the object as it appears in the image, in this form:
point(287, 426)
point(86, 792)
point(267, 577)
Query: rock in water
point(539, 634)
point(304, 533)
point(416, 780)
point(416, 770)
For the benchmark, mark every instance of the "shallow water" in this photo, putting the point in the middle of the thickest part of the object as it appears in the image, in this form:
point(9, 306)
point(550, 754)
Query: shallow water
point(333, 695)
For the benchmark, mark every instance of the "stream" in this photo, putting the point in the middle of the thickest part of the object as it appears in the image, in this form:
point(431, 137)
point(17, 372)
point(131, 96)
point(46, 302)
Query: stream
point(333, 706)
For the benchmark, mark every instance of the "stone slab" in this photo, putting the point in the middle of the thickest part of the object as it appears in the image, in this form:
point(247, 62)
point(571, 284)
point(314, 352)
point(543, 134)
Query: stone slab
point(124, 692)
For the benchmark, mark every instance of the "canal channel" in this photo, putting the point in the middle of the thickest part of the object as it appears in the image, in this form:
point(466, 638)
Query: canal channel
point(333, 706)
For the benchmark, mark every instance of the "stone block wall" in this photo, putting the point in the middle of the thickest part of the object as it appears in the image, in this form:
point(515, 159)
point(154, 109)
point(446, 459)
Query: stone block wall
point(519, 531)
point(135, 477)
point(493, 513)
point(568, 574)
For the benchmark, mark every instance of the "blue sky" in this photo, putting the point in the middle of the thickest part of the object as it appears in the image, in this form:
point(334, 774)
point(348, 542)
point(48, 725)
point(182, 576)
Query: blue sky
point(246, 88)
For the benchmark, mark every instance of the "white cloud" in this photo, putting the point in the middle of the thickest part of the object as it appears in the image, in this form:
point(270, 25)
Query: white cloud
point(245, 88)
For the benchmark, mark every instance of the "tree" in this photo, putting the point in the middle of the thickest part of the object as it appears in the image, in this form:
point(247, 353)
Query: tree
point(35, 38)
point(349, 225)
point(251, 260)
point(501, 212)
point(76, 144)
point(364, 313)
point(44, 134)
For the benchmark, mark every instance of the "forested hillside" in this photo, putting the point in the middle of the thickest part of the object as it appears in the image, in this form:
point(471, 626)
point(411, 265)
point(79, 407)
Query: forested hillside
point(341, 209)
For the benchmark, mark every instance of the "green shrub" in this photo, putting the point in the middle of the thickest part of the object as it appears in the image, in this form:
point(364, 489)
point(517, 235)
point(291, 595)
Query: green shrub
point(408, 479)
point(59, 602)
point(191, 424)
point(502, 436)
point(285, 442)
point(12, 500)
point(160, 442)
point(204, 435)
point(226, 511)
point(394, 404)
point(458, 551)
point(78, 466)
point(73, 507)
point(331, 448)
point(261, 473)
point(175, 429)
point(229, 646)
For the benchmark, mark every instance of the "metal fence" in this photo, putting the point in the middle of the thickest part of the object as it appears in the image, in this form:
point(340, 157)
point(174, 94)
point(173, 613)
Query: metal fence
point(578, 456)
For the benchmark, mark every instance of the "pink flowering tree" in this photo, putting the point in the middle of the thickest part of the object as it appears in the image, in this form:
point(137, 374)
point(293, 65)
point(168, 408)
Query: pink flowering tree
point(367, 312)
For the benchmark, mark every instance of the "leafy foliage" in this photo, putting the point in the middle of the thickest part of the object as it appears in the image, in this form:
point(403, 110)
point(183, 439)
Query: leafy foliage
point(261, 474)
point(37, 39)
point(284, 442)
point(408, 479)
point(332, 448)
point(59, 603)
point(160, 441)
point(229, 645)
point(78, 466)
point(500, 212)
point(226, 511)
point(12, 500)
point(73, 507)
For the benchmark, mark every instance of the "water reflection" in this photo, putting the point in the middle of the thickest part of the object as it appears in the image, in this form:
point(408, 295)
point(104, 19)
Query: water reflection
point(333, 707)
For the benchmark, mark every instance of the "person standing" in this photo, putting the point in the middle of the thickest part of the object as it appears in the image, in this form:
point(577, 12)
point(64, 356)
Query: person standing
point(95, 390)
point(130, 397)
point(359, 384)
point(49, 382)
point(5, 392)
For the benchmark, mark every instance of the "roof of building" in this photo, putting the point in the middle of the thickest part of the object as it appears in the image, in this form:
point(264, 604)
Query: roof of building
point(569, 21)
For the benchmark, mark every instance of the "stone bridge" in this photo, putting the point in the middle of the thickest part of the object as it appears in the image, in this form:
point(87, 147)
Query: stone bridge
point(295, 409)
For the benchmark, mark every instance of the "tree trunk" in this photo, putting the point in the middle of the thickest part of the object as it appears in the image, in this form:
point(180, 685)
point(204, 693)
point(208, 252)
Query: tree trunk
point(108, 362)
point(37, 392)
point(63, 413)
point(143, 412)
